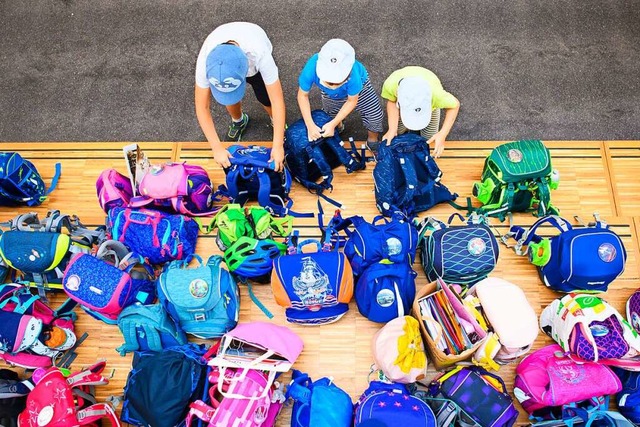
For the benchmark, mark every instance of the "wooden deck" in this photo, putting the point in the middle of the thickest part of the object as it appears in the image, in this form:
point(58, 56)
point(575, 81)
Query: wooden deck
point(596, 176)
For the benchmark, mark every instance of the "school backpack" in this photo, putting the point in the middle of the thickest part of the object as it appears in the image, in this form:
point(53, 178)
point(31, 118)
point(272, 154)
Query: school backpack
point(33, 335)
point(114, 190)
point(590, 329)
point(398, 351)
point(57, 401)
point(155, 235)
point(391, 404)
point(20, 182)
point(252, 177)
point(176, 188)
point(319, 403)
point(204, 301)
point(160, 386)
point(549, 380)
point(314, 287)
point(461, 254)
point(13, 398)
point(310, 161)
point(148, 328)
point(517, 177)
point(628, 398)
point(584, 259)
point(39, 250)
point(406, 178)
point(104, 289)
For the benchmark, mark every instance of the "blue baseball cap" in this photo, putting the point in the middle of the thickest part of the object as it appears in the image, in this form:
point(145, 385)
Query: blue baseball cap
point(227, 67)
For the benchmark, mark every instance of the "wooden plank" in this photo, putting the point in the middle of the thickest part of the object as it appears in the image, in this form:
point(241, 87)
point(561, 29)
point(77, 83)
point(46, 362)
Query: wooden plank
point(625, 168)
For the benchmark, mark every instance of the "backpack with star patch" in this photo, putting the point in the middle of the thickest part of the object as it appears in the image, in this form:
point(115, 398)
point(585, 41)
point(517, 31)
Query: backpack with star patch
point(391, 404)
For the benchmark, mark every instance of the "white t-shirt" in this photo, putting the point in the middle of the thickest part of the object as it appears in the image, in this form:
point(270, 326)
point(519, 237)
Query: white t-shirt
point(254, 43)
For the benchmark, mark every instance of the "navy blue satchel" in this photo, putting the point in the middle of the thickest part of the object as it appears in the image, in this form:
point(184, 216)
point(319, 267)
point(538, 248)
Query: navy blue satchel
point(582, 259)
point(461, 254)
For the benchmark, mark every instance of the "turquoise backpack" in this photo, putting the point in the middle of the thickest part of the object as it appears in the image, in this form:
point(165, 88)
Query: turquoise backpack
point(148, 328)
point(318, 403)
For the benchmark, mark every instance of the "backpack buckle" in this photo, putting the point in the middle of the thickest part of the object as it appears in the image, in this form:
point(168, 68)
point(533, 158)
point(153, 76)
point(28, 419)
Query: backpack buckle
point(199, 317)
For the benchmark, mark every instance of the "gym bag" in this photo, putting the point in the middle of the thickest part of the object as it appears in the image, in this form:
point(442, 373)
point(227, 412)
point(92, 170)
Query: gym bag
point(392, 405)
point(57, 401)
point(20, 182)
point(104, 289)
point(148, 328)
point(481, 395)
point(503, 311)
point(590, 329)
point(398, 351)
point(41, 249)
point(252, 177)
point(406, 178)
point(313, 161)
point(319, 403)
point(584, 259)
point(204, 301)
point(460, 254)
point(114, 190)
point(548, 378)
point(517, 177)
point(315, 288)
point(33, 335)
point(155, 235)
point(160, 386)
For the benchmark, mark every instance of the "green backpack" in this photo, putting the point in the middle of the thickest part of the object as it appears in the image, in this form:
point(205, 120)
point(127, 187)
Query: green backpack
point(517, 177)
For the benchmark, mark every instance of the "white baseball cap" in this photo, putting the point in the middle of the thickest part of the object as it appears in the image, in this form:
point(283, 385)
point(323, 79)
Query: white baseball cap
point(414, 101)
point(335, 61)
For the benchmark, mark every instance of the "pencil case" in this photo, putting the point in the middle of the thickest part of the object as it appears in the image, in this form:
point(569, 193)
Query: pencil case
point(439, 357)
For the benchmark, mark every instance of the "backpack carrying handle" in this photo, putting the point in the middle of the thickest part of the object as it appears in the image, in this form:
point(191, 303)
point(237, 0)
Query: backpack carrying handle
point(307, 243)
point(243, 161)
point(524, 237)
point(229, 394)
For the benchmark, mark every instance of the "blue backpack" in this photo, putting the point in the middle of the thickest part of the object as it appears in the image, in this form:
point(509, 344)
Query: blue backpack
point(392, 405)
point(20, 182)
point(462, 254)
point(251, 177)
point(406, 178)
point(204, 301)
point(584, 259)
point(318, 403)
point(310, 161)
point(148, 328)
point(628, 399)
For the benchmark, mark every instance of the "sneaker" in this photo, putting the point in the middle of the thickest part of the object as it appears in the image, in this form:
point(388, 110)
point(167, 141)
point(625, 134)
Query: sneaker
point(236, 128)
point(373, 147)
point(340, 127)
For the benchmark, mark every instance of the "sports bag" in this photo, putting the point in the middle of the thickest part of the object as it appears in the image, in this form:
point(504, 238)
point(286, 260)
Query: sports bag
point(57, 401)
point(517, 177)
point(548, 378)
point(148, 328)
point(310, 161)
point(20, 182)
point(383, 240)
point(398, 351)
point(204, 301)
point(104, 289)
point(511, 323)
point(155, 235)
point(160, 386)
point(386, 291)
point(319, 403)
point(406, 178)
point(590, 329)
point(315, 288)
point(41, 249)
point(252, 177)
point(480, 394)
point(13, 398)
point(392, 405)
point(33, 335)
point(176, 188)
point(114, 190)
point(461, 254)
point(585, 259)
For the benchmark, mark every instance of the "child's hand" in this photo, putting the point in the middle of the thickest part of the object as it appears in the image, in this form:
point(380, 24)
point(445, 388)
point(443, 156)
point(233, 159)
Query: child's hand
point(389, 136)
point(314, 132)
point(438, 148)
point(329, 129)
point(221, 156)
point(277, 156)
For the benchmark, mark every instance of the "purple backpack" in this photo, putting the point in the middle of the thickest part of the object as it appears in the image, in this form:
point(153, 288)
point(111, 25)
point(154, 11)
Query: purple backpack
point(114, 190)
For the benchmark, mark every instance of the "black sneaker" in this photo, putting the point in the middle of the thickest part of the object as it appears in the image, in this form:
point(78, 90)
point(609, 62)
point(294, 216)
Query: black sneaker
point(236, 128)
point(373, 147)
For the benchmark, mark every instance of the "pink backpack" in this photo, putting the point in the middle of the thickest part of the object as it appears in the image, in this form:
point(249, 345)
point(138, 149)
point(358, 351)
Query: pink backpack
point(114, 190)
point(186, 189)
point(548, 378)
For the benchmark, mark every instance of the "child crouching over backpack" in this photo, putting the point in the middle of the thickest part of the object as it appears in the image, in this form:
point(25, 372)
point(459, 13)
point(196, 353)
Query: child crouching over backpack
point(344, 84)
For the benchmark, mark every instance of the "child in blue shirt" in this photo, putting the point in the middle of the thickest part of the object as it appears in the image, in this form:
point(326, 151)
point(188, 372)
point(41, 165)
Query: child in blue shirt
point(344, 84)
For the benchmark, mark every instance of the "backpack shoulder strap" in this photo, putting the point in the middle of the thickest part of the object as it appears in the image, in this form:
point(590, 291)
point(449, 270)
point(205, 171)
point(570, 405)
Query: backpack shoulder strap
point(129, 327)
point(524, 237)
point(94, 413)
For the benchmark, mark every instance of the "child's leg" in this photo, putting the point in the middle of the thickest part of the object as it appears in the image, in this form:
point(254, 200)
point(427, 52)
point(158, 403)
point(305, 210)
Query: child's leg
point(370, 110)
point(331, 106)
point(434, 125)
point(260, 90)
